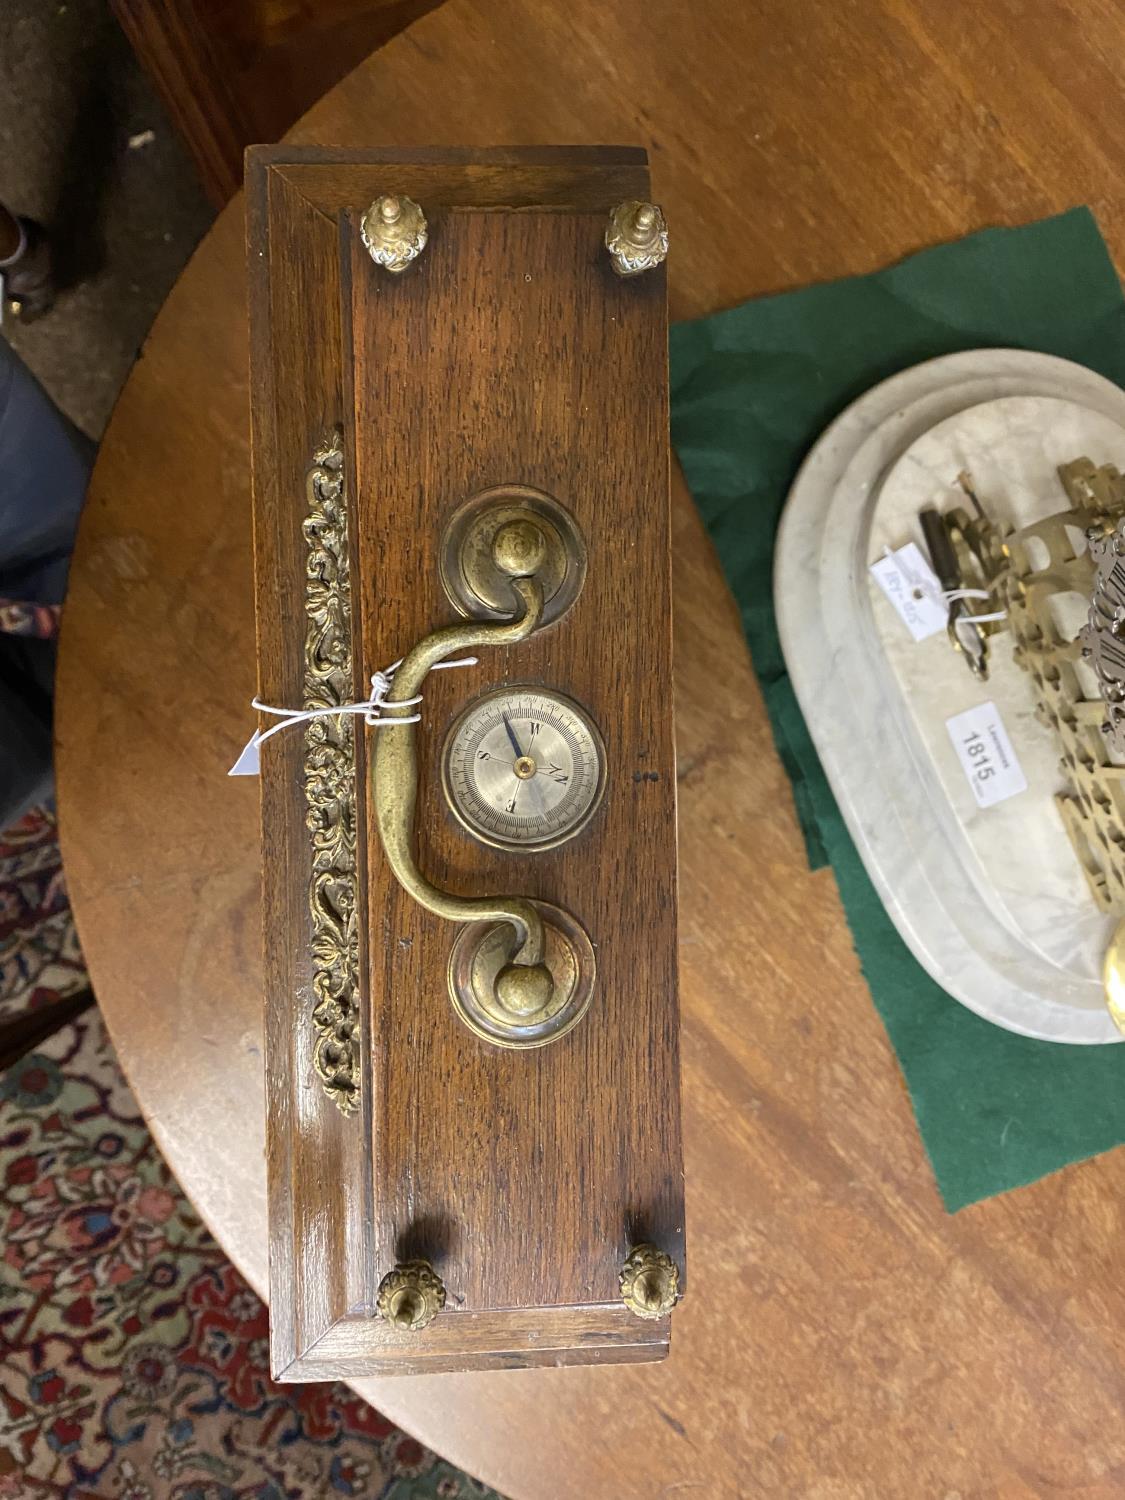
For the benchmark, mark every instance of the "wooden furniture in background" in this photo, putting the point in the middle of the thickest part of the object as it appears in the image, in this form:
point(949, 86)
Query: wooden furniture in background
point(233, 73)
point(843, 1336)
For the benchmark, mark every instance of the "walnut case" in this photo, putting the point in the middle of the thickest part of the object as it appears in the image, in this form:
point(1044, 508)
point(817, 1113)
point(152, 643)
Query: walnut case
point(508, 354)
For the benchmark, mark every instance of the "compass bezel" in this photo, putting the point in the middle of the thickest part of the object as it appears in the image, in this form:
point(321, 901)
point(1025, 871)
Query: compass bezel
point(487, 836)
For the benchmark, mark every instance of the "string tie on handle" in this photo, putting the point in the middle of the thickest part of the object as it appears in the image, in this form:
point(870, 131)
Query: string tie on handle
point(247, 763)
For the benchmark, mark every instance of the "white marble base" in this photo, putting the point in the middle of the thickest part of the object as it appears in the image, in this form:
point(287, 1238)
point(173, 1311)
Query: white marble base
point(992, 902)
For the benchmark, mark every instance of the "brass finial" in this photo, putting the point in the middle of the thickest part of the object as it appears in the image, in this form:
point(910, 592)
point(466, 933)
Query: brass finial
point(1113, 977)
point(394, 231)
point(519, 548)
point(650, 1282)
point(637, 237)
point(411, 1295)
point(524, 991)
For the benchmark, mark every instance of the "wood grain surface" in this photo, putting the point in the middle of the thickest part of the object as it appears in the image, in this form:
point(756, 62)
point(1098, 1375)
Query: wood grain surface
point(550, 1164)
point(512, 354)
point(843, 1337)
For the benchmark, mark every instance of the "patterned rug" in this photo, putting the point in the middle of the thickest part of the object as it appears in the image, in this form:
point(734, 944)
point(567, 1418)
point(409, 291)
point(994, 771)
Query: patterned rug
point(40, 961)
point(134, 1360)
point(133, 1357)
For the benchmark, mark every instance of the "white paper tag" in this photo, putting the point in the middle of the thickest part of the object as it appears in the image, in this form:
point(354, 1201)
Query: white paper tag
point(986, 754)
point(247, 763)
point(913, 588)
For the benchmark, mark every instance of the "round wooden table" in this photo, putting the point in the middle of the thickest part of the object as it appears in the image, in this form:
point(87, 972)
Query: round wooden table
point(843, 1336)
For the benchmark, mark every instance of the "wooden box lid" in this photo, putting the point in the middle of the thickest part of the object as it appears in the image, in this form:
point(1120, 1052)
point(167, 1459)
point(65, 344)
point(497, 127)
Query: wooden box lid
point(508, 364)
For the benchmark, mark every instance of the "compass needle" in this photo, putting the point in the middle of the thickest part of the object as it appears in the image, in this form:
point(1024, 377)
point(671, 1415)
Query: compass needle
point(541, 738)
point(512, 735)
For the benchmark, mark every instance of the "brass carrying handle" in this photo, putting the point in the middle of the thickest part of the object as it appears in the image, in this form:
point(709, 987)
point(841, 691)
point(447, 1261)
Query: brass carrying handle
point(524, 985)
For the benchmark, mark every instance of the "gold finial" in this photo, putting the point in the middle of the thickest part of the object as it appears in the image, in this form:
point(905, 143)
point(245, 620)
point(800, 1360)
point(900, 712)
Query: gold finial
point(637, 237)
point(394, 231)
point(1113, 976)
point(411, 1295)
point(650, 1282)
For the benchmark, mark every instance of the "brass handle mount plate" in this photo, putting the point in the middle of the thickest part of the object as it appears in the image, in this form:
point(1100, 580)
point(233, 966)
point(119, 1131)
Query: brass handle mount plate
point(479, 955)
point(477, 586)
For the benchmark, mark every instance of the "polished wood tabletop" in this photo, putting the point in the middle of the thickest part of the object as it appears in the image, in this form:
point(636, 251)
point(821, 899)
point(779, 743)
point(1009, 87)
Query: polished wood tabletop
point(843, 1336)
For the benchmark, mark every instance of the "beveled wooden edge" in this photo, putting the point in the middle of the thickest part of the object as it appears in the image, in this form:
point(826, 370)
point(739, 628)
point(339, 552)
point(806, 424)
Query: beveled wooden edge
point(548, 178)
point(282, 1321)
point(309, 1304)
point(288, 154)
point(516, 1339)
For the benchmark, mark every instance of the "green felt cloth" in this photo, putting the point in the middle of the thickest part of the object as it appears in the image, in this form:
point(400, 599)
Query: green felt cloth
point(751, 391)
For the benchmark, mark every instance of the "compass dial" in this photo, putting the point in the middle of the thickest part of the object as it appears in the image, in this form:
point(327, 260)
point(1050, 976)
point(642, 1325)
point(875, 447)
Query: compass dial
point(524, 768)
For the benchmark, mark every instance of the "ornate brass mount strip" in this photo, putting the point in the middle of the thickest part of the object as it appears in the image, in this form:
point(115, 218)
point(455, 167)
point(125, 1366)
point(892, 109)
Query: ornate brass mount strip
point(329, 772)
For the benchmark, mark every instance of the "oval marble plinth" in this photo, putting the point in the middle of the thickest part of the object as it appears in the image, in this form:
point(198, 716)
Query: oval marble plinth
point(924, 843)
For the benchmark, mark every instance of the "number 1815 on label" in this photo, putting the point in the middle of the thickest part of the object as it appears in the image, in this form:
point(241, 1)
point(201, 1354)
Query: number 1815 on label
point(987, 758)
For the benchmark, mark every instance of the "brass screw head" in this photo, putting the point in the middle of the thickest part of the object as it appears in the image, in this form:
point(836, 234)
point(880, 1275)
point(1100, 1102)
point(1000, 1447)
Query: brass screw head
point(650, 1282)
point(410, 1296)
point(394, 231)
point(637, 237)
